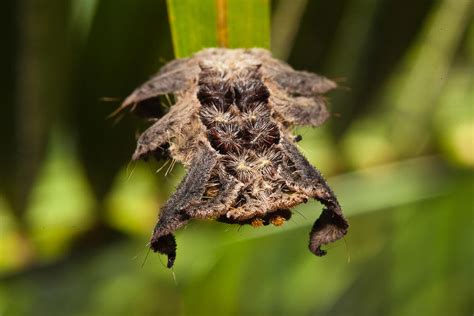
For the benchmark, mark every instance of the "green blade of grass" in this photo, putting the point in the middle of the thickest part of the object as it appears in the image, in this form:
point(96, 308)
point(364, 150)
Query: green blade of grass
point(226, 23)
point(248, 23)
point(192, 24)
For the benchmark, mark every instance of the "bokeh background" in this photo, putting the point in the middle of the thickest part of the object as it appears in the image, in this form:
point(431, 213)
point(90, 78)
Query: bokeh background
point(75, 215)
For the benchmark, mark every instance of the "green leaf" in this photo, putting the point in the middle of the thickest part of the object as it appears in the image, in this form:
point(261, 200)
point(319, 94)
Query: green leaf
point(193, 25)
point(248, 23)
point(226, 23)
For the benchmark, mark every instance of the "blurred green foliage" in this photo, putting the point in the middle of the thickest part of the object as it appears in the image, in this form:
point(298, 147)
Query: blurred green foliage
point(75, 215)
